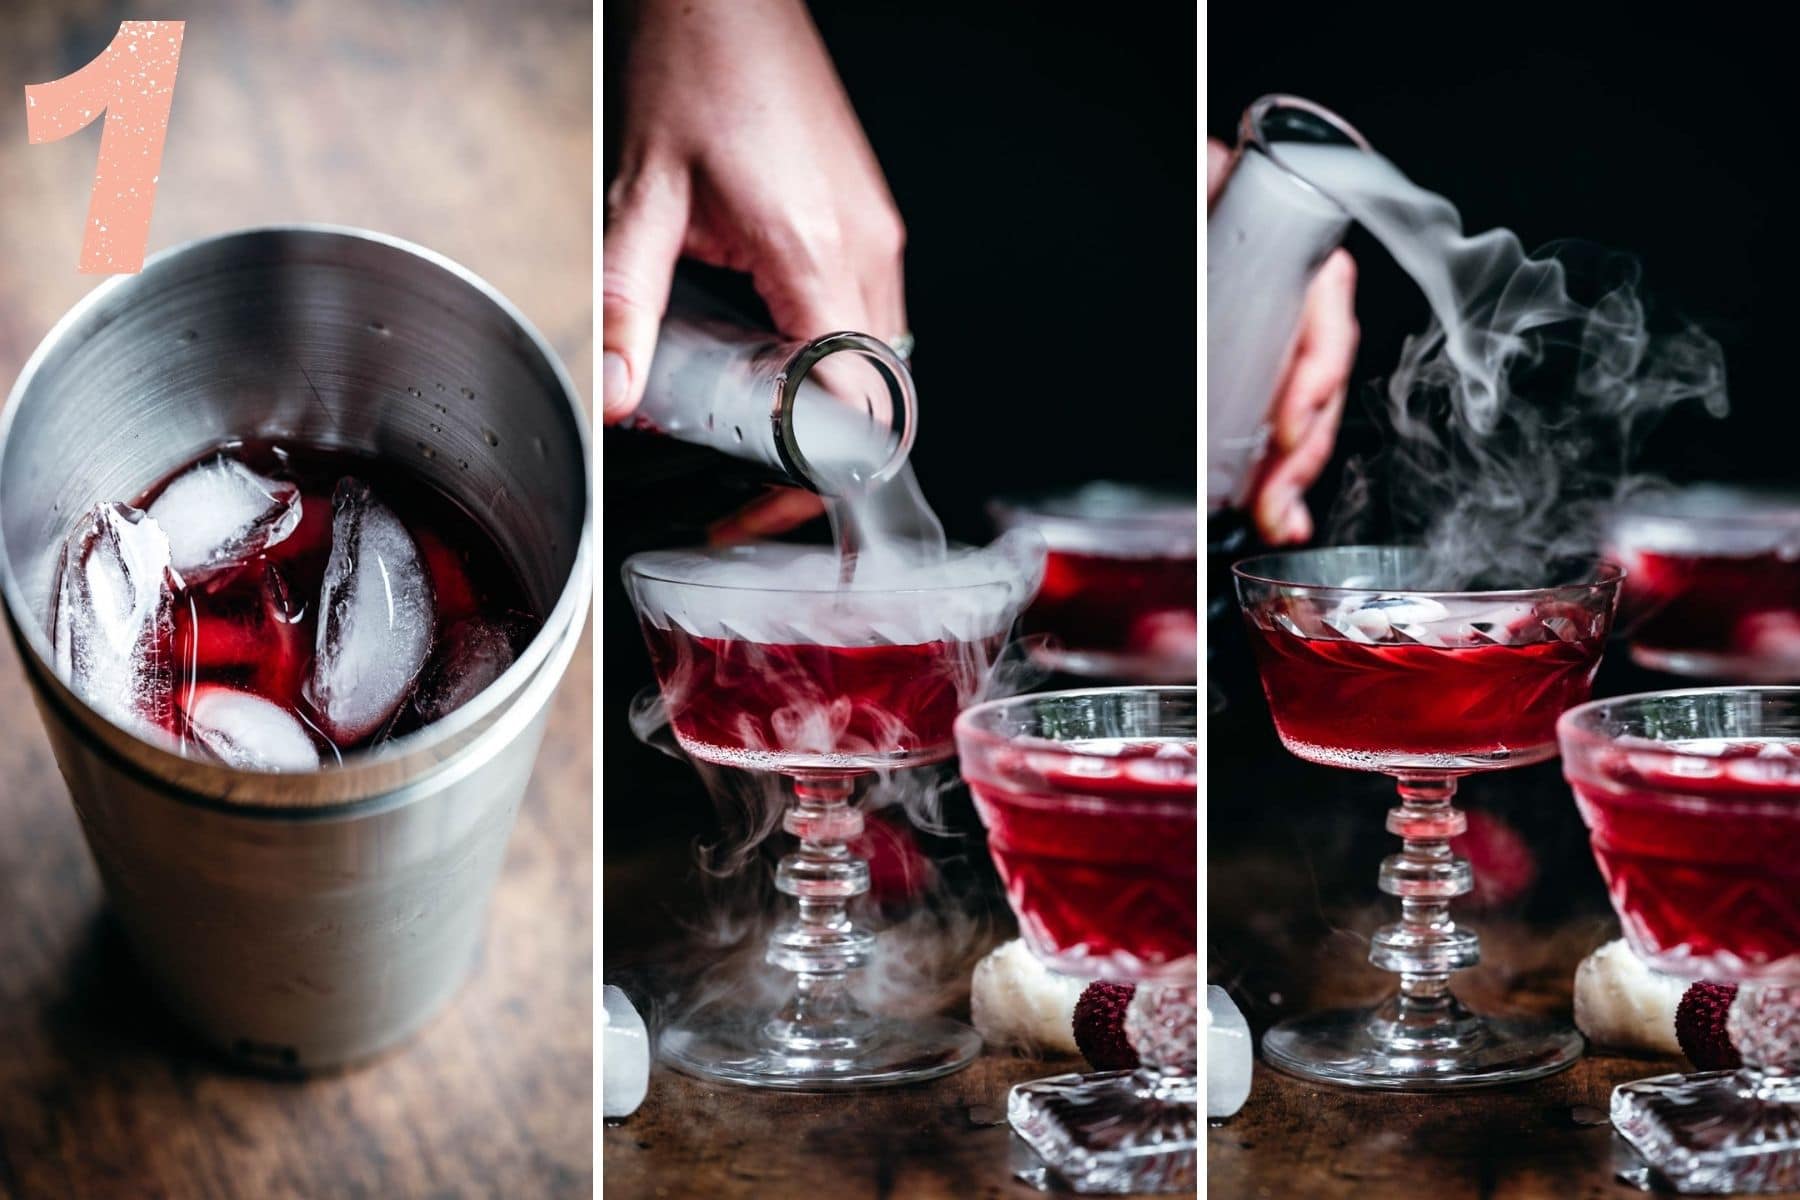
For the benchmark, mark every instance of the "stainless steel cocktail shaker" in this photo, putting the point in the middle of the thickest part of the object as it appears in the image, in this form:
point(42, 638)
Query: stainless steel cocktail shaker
point(302, 921)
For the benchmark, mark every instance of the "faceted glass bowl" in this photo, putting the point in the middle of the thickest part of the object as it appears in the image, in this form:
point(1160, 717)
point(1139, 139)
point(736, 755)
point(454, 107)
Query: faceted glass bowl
point(1090, 799)
point(1692, 801)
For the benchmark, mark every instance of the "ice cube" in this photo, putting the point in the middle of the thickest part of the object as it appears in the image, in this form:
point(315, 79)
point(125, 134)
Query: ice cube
point(112, 621)
point(1157, 770)
point(375, 618)
point(1693, 763)
point(1380, 618)
point(1405, 610)
point(474, 653)
point(624, 1055)
point(1228, 1054)
point(219, 513)
point(1762, 770)
point(245, 731)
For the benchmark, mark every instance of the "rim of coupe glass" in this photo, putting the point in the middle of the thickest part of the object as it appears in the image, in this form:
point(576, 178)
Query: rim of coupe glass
point(424, 744)
point(633, 569)
point(1584, 727)
point(1610, 576)
point(1252, 133)
point(1038, 511)
point(974, 724)
point(1772, 509)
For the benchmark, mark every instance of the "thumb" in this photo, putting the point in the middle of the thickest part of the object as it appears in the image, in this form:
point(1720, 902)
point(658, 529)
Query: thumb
point(646, 223)
point(1218, 166)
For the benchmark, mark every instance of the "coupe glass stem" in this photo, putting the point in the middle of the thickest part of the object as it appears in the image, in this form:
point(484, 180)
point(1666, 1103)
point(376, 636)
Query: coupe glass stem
point(820, 945)
point(1424, 947)
point(1764, 1024)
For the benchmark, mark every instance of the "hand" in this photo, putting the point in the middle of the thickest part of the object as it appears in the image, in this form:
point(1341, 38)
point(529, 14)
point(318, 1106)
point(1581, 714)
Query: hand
point(740, 149)
point(1306, 409)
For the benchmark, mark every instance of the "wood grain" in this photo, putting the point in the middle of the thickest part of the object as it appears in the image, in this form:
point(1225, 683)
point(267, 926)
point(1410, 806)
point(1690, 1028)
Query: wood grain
point(945, 1140)
point(465, 127)
point(942, 1140)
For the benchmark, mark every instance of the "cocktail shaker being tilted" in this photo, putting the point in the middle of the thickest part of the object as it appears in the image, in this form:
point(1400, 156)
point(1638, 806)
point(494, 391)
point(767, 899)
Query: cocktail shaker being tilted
point(836, 414)
point(1267, 234)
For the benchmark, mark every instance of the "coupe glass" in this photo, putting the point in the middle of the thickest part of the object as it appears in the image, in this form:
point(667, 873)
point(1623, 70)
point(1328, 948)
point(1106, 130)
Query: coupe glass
point(1713, 583)
point(1089, 800)
point(825, 686)
point(1120, 599)
point(1365, 667)
point(1692, 801)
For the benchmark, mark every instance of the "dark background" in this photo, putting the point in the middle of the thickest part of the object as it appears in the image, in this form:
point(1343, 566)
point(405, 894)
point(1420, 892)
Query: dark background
point(1044, 163)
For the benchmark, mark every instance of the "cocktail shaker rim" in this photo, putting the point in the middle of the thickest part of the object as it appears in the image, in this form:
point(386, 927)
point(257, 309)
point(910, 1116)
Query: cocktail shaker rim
point(1251, 133)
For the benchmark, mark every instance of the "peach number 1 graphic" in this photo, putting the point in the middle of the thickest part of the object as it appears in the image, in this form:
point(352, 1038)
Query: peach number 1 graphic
point(132, 82)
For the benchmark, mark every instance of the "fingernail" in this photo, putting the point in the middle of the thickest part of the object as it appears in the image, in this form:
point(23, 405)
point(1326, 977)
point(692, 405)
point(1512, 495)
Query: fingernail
point(615, 381)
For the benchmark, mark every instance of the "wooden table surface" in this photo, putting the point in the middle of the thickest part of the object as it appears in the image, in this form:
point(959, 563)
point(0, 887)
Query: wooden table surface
point(945, 1140)
point(1292, 856)
point(942, 1140)
point(465, 127)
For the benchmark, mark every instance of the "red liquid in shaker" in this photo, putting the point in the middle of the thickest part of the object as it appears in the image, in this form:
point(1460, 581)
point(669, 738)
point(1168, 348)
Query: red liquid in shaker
point(428, 609)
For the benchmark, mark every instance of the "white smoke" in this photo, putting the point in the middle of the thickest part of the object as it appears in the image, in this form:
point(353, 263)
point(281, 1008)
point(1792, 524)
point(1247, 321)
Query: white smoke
point(1517, 413)
point(778, 594)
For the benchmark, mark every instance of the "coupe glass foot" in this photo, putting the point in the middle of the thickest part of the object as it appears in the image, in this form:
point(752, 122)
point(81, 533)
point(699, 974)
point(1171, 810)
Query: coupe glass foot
point(1112, 1133)
point(1713, 1133)
point(738, 1049)
point(1347, 1047)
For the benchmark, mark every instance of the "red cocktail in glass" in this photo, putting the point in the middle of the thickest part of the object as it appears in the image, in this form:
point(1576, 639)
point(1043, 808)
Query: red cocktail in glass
point(1090, 801)
point(1095, 845)
point(1367, 666)
point(1713, 584)
point(766, 660)
point(1469, 699)
point(1120, 593)
point(770, 705)
point(1692, 801)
